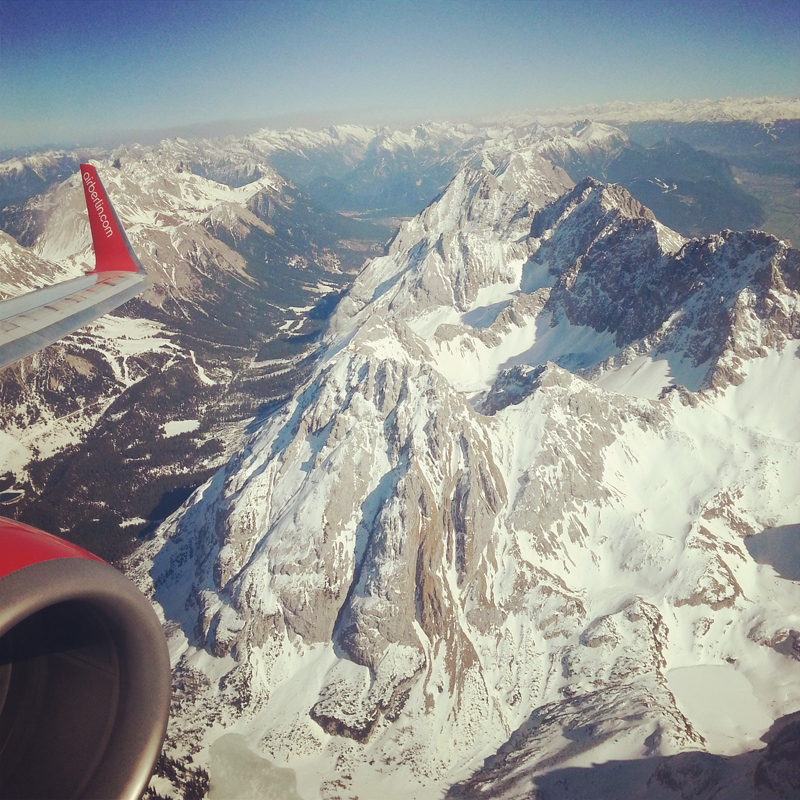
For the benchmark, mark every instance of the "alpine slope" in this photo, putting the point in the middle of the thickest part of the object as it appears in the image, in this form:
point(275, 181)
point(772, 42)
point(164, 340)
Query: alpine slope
point(524, 518)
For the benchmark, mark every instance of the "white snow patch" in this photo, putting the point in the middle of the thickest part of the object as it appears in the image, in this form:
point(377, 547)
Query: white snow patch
point(669, 240)
point(426, 324)
point(178, 644)
point(767, 399)
point(572, 347)
point(493, 294)
point(472, 366)
point(642, 377)
point(238, 773)
point(174, 427)
point(15, 455)
point(535, 276)
point(215, 668)
point(201, 373)
point(131, 521)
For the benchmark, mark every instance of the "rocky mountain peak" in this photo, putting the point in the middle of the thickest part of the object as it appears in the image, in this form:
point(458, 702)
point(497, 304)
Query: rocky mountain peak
point(589, 131)
point(601, 201)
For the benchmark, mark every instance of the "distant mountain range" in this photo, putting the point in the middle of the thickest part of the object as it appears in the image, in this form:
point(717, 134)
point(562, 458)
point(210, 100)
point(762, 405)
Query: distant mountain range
point(386, 172)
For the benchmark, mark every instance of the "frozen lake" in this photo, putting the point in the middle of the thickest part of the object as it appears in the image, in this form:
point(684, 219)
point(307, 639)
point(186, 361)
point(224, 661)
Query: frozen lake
point(778, 547)
point(237, 773)
point(721, 705)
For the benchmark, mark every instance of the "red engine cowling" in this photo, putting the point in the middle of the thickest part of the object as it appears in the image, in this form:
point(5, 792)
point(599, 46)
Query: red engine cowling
point(84, 673)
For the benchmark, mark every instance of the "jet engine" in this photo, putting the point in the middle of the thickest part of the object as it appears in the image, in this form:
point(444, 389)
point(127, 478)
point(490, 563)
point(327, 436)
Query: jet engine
point(84, 673)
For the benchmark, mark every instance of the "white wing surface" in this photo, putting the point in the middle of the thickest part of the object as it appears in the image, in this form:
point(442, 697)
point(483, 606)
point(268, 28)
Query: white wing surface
point(38, 319)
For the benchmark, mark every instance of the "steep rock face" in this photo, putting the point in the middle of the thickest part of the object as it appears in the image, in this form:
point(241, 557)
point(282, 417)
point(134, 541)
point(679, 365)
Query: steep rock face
point(465, 241)
point(596, 259)
point(610, 260)
point(448, 544)
point(392, 460)
point(710, 302)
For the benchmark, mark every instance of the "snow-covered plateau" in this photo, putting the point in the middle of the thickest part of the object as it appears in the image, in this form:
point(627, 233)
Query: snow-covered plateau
point(763, 110)
point(504, 532)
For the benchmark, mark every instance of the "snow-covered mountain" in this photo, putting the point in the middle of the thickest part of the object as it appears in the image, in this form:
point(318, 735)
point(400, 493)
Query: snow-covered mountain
point(503, 529)
point(238, 258)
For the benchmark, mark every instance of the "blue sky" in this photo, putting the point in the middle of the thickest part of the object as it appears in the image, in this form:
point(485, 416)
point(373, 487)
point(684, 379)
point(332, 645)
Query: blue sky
point(83, 71)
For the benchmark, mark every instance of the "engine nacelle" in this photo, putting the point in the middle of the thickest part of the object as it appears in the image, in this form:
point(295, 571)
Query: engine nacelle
point(84, 673)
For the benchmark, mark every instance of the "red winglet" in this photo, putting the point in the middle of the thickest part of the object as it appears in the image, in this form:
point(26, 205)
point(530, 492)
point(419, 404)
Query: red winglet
point(112, 250)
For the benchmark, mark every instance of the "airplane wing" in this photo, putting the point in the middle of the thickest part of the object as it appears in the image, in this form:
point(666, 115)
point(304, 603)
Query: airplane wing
point(38, 319)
